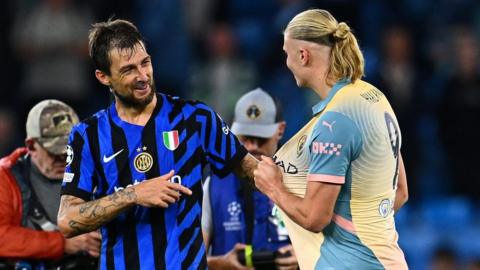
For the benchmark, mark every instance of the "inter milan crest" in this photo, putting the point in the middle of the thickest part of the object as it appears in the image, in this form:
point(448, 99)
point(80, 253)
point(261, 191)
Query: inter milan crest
point(143, 161)
point(170, 139)
point(301, 144)
point(253, 112)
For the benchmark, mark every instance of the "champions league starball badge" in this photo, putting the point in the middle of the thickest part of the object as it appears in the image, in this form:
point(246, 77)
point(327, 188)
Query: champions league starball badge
point(69, 155)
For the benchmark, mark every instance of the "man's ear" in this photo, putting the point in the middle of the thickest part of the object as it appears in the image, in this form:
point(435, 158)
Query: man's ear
point(281, 129)
point(304, 56)
point(102, 77)
point(30, 144)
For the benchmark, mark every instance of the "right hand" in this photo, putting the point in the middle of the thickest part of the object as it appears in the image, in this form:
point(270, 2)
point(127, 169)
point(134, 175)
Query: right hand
point(159, 191)
point(231, 258)
point(88, 242)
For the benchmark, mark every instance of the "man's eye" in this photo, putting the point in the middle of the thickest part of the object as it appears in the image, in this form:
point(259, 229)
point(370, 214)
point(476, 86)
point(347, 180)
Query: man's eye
point(126, 71)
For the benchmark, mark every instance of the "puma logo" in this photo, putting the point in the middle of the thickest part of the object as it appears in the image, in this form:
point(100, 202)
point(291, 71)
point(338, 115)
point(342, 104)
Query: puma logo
point(330, 126)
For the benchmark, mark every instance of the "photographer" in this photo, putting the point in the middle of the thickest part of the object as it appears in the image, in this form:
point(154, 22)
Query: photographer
point(30, 181)
point(239, 224)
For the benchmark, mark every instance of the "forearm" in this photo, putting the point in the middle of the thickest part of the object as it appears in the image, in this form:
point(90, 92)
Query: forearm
point(77, 216)
point(401, 194)
point(401, 197)
point(313, 212)
point(296, 209)
point(246, 167)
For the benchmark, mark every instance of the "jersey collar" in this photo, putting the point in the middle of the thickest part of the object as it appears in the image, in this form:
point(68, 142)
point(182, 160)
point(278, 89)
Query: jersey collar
point(320, 106)
point(117, 120)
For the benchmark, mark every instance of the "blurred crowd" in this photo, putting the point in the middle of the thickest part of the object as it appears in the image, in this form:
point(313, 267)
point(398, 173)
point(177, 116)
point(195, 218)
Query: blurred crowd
point(423, 54)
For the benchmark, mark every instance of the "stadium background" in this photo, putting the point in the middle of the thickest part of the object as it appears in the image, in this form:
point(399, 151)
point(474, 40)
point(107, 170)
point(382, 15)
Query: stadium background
point(423, 54)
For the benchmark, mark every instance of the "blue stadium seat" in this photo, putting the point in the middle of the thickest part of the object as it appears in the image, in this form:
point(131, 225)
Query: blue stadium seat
point(447, 214)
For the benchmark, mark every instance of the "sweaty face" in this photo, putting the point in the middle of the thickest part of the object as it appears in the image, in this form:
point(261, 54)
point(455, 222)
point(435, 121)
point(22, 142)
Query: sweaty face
point(50, 165)
point(259, 146)
point(131, 77)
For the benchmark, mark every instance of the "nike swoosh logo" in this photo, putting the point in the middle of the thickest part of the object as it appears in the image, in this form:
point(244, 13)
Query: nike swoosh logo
point(107, 159)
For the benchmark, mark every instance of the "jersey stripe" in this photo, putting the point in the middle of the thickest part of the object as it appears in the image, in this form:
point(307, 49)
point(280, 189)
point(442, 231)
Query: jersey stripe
point(92, 135)
point(157, 215)
point(130, 244)
point(152, 238)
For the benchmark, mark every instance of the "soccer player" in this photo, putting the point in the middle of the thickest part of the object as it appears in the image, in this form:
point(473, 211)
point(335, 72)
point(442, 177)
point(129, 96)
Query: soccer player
point(134, 169)
point(350, 179)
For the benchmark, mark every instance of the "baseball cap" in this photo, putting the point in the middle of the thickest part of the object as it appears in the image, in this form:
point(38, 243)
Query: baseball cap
point(50, 123)
point(256, 114)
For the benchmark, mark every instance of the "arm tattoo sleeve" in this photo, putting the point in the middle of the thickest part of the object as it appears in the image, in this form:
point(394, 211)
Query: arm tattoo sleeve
point(88, 216)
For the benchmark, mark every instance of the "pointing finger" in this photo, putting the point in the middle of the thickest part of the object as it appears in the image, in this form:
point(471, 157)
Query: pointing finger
point(183, 189)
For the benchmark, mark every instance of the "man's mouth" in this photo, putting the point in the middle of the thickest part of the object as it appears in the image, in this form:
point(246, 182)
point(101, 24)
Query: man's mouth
point(142, 88)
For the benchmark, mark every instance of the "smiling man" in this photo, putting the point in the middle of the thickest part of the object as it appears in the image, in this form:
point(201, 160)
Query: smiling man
point(135, 168)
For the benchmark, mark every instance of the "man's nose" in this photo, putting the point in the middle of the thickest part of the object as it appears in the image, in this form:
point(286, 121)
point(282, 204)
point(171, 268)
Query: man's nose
point(142, 75)
point(251, 145)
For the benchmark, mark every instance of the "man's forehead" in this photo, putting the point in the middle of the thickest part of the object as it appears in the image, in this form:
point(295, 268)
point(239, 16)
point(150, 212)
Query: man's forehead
point(126, 54)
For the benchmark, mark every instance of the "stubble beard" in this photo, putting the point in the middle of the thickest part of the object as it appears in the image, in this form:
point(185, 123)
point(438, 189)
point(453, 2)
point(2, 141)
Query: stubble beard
point(130, 101)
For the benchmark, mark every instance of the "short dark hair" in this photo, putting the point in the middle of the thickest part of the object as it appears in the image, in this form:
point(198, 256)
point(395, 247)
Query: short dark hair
point(112, 34)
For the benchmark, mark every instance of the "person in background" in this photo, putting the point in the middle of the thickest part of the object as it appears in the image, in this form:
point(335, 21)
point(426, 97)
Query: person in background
point(30, 181)
point(234, 214)
point(444, 258)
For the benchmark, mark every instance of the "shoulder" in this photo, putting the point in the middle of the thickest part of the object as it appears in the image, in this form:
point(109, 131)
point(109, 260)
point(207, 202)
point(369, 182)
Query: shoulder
point(9, 161)
point(90, 122)
point(186, 106)
point(335, 122)
point(358, 92)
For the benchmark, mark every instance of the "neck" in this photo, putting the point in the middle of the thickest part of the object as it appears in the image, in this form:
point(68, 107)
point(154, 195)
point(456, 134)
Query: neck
point(321, 84)
point(135, 115)
point(321, 88)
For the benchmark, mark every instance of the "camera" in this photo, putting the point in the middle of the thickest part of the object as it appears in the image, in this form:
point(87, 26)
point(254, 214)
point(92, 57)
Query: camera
point(261, 260)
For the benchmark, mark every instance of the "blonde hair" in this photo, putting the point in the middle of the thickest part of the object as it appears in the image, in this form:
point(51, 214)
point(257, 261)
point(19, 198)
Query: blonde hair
point(319, 26)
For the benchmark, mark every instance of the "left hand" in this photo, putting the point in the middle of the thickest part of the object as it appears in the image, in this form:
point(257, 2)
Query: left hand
point(268, 177)
point(287, 263)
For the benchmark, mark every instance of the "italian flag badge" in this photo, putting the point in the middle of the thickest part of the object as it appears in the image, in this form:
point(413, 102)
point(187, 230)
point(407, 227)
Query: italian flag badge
point(170, 139)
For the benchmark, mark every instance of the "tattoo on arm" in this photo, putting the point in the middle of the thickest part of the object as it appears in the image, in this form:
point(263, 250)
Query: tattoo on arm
point(88, 216)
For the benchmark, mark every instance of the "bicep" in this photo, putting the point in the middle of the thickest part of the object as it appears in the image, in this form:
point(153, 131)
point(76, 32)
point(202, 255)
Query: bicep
point(80, 167)
point(320, 199)
point(336, 142)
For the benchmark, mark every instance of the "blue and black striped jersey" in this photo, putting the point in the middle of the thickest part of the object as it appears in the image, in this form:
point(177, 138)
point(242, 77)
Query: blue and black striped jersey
point(106, 154)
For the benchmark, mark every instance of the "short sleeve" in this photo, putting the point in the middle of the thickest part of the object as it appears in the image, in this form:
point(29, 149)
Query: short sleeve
point(335, 142)
point(222, 148)
point(79, 172)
